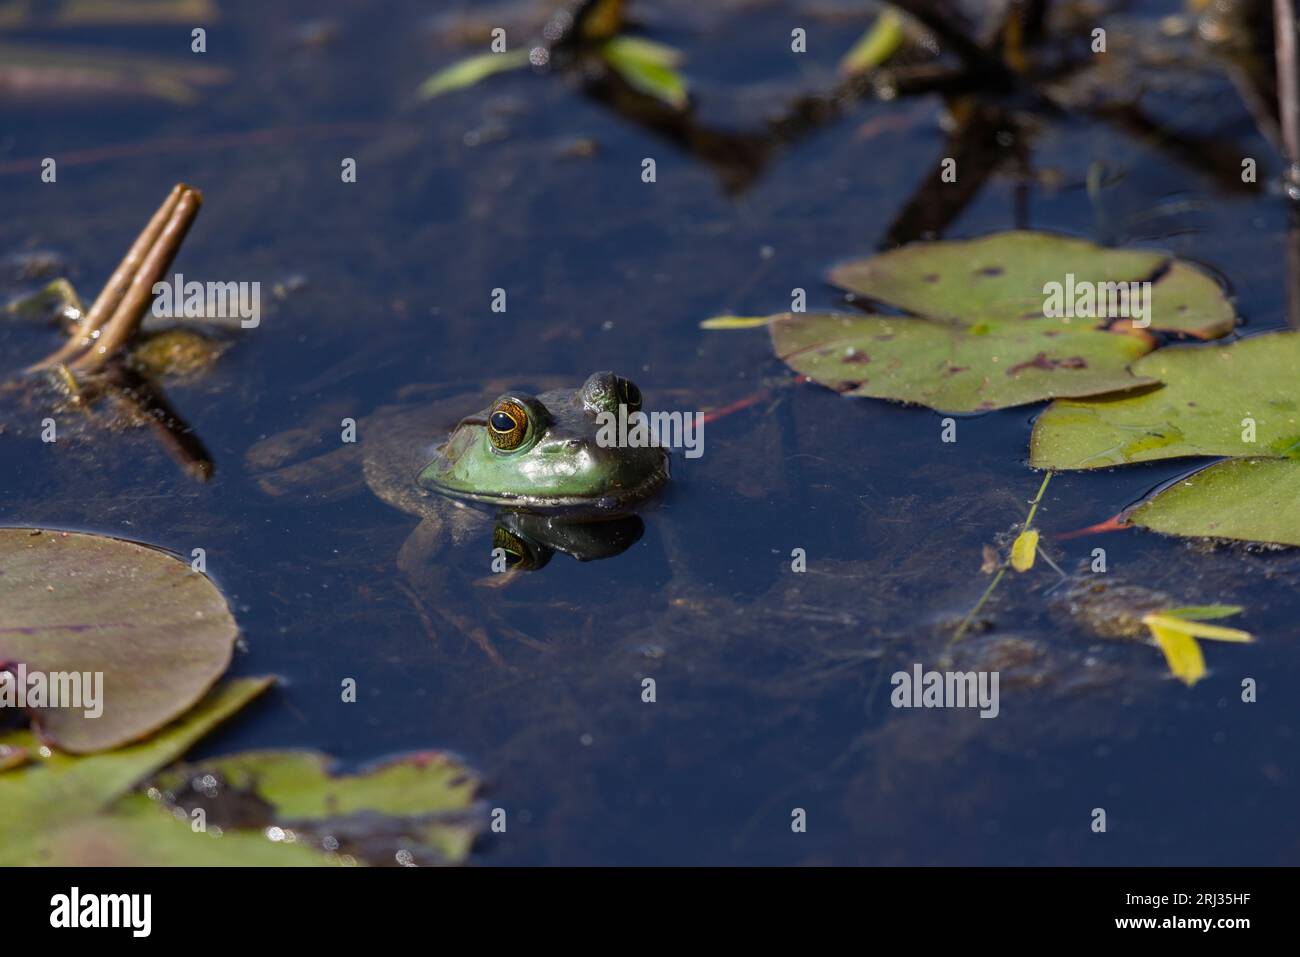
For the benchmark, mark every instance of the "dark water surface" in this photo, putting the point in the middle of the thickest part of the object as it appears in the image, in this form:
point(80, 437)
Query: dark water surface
point(773, 687)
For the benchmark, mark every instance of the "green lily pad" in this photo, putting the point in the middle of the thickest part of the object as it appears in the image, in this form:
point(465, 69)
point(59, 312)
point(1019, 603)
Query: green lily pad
point(955, 368)
point(424, 804)
point(1248, 499)
point(159, 634)
point(1006, 276)
point(259, 808)
point(1210, 400)
point(54, 788)
point(992, 321)
point(996, 277)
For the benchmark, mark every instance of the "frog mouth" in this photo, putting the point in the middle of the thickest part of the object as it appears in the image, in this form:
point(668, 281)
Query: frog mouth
point(606, 504)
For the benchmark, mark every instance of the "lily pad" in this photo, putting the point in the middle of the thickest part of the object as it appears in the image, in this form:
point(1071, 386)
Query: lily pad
point(53, 788)
point(992, 321)
point(424, 804)
point(955, 368)
point(1250, 499)
point(1237, 400)
point(76, 604)
point(259, 808)
point(1007, 276)
point(993, 278)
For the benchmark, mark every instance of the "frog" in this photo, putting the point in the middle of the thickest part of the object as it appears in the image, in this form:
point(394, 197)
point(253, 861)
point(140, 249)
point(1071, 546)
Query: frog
point(533, 465)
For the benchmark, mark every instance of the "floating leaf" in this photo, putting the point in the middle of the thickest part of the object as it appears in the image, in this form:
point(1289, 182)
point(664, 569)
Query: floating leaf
point(56, 787)
point(1242, 399)
point(1182, 653)
point(997, 277)
point(423, 803)
point(1197, 629)
point(1176, 635)
point(735, 322)
point(472, 70)
point(1024, 550)
point(990, 327)
point(1203, 612)
point(649, 67)
point(1251, 500)
point(878, 44)
point(954, 368)
point(159, 633)
point(1013, 275)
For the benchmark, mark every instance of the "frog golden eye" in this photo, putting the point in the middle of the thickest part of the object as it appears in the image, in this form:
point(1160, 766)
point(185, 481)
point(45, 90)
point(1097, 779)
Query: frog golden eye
point(629, 394)
point(507, 426)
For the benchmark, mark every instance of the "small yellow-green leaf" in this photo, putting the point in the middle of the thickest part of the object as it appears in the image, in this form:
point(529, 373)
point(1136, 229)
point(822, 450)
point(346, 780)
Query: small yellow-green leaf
point(472, 70)
point(649, 67)
point(1024, 550)
point(735, 322)
point(1202, 612)
point(1197, 629)
point(878, 44)
point(1181, 651)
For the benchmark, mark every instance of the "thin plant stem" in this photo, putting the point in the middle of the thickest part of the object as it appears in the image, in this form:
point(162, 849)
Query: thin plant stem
point(988, 592)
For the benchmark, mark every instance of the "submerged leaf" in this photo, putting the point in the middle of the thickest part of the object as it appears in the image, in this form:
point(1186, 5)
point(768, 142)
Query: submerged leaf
point(76, 604)
point(472, 70)
point(1242, 399)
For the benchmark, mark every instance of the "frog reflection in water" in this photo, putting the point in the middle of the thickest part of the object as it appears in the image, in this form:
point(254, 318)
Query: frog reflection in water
point(536, 460)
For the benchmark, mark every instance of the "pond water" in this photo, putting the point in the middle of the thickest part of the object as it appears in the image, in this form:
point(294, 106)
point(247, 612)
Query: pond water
point(772, 686)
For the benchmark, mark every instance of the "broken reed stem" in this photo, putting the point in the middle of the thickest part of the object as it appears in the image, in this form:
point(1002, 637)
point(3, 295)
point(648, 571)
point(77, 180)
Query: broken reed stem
point(1288, 89)
point(988, 592)
point(126, 318)
point(115, 315)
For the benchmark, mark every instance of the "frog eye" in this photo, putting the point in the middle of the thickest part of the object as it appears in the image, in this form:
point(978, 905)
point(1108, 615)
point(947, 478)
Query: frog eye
point(507, 426)
point(629, 394)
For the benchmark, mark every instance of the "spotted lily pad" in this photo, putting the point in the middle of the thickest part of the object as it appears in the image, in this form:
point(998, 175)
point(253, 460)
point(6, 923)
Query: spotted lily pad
point(955, 368)
point(1237, 400)
point(1000, 321)
point(1251, 499)
point(1010, 275)
point(130, 625)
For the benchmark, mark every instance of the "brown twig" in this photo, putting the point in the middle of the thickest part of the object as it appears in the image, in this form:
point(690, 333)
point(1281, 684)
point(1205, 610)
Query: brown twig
point(1288, 90)
point(114, 317)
